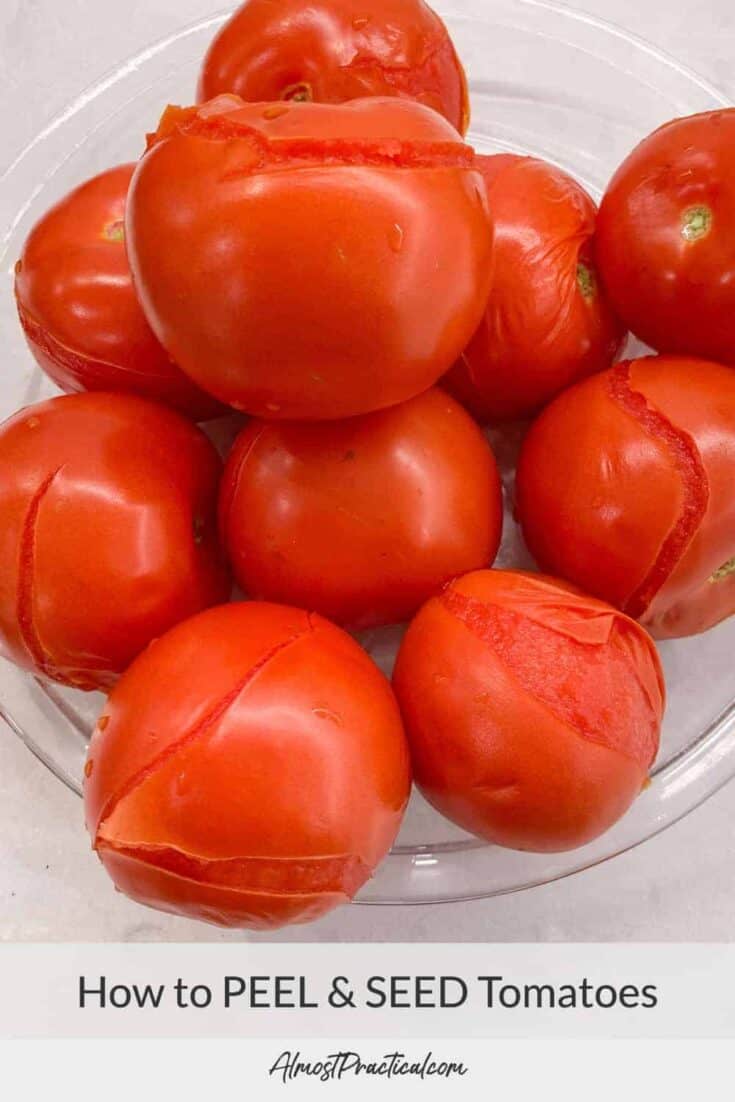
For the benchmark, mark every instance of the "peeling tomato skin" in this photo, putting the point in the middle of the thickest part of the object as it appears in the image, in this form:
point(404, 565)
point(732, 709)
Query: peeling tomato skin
point(108, 536)
point(330, 51)
point(624, 486)
point(361, 520)
point(355, 242)
point(665, 246)
point(78, 307)
point(533, 712)
point(548, 323)
point(282, 723)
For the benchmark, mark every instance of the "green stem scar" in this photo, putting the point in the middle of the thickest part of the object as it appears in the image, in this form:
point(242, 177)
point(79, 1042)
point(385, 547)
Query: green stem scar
point(724, 571)
point(586, 281)
point(301, 92)
point(115, 231)
point(696, 222)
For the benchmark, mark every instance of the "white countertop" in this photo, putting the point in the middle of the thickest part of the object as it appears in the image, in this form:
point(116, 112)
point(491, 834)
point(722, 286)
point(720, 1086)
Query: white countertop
point(678, 886)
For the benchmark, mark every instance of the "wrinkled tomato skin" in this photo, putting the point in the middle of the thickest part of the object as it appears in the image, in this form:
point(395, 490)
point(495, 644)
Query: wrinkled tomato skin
point(333, 50)
point(624, 487)
point(108, 533)
point(548, 321)
point(280, 722)
point(361, 520)
point(354, 242)
point(665, 246)
point(78, 307)
point(533, 712)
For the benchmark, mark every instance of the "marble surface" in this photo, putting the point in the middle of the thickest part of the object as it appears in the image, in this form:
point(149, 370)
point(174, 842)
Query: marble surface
point(677, 887)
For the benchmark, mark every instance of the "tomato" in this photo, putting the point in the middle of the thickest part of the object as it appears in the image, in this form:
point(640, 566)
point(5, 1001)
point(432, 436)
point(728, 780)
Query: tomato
point(361, 520)
point(548, 321)
point(665, 244)
point(78, 308)
point(337, 50)
point(250, 769)
point(533, 712)
point(107, 533)
point(309, 261)
point(624, 487)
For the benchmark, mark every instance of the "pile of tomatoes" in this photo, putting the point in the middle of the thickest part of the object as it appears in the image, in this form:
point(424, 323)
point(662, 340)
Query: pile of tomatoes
point(315, 246)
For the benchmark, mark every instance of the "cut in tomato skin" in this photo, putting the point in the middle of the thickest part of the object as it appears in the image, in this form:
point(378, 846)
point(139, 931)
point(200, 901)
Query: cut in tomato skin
point(330, 51)
point(354, 241)
point(624, 487)
point(533, 711)
point(279, 721)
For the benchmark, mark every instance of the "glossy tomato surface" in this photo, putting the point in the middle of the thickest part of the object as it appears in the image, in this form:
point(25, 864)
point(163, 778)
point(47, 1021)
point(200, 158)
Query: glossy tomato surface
point(250, 769)
point(336, 50)
point(107, 533)
point(533, 712)
point(548, 321)
point(625, 487)
point(361, 520)
point(665, 244)
point(78, 307)
point(304, 260)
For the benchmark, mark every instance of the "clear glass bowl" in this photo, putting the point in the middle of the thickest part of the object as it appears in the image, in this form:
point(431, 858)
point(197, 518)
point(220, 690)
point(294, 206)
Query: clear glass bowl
point(544, 80)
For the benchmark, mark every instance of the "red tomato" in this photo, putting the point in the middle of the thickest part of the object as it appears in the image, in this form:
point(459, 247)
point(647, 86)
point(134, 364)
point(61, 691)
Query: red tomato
point(78, 308)
point(310, 261)
point(337, 50)
point(107, 533)
point(548, 321)
point(625, 487)
point(665, 242)
point(250, 769)
point(533, 712)
point(361, 520)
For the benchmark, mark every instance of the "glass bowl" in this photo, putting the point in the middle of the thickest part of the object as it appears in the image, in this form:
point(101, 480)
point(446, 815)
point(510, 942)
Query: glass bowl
point(544, 80)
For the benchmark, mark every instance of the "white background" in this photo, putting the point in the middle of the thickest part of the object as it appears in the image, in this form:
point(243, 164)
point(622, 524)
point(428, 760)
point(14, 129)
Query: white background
point(677, 887)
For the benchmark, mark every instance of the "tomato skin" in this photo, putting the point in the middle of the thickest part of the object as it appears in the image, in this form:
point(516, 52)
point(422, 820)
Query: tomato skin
point(283, 724)
point(330, 51)
point(78, 307)
point(624, 486)
point(361, 520)
point(352, 283)
point(671, 278)
point(108, 533)
point(548, 321)
point(532, 711)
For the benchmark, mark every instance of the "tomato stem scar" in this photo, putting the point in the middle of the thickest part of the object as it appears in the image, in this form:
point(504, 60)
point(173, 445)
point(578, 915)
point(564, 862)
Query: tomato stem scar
point(586, 281)
point(299, 93)
point(724, 571)
point(696, 222)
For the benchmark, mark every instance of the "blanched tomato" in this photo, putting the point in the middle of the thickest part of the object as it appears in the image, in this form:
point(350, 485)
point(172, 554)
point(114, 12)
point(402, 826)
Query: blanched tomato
point(548, 322)
point(306, 260)
point(107, 533)
point(665, 242)
point(625, 487)
point(361, 520)
point(78, 308)
point(533, 712)
point(250, 769)
point(336, 50)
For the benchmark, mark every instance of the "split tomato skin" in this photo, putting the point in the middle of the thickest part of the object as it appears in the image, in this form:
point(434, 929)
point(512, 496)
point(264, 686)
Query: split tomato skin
point(533, 712)
point(548, 321)
point(78, 307)
point(330, 51)
point(354, 242)
point(665, 245)
point(279, 721)
point(361, 520)
point(624, 487)
point(108, 534)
